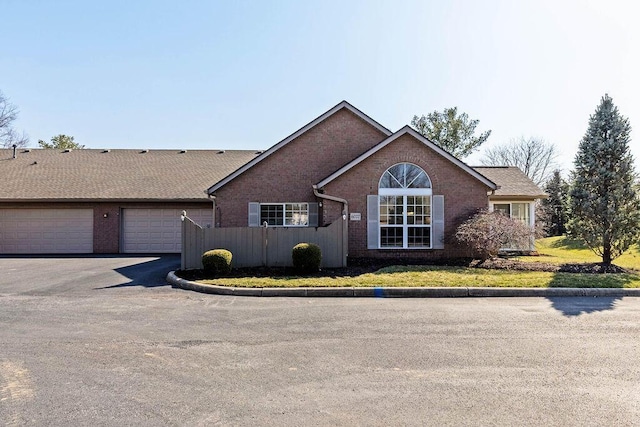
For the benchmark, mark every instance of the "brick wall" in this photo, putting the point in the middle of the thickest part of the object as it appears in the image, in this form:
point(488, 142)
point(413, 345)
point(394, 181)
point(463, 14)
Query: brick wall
point(462, 194)
point(288, 174)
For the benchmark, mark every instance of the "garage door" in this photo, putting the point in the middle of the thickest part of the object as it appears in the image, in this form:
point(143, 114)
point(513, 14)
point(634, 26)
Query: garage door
point(46, 231)
point(157, 230)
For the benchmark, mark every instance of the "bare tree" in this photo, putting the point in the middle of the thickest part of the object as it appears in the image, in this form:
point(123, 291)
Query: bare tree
point(485, 233)
point(8, 135)
point(534, 156)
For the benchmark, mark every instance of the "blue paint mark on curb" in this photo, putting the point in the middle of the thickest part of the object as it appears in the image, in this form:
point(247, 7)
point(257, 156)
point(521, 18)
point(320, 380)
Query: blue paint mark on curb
point(378, 292)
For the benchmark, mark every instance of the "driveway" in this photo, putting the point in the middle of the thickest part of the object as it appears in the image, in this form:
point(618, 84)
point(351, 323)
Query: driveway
point(103, 341)
point(83, 275)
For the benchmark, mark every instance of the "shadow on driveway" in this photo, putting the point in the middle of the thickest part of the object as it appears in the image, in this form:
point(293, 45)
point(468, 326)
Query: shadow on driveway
point(575, 306)
point(148, 274)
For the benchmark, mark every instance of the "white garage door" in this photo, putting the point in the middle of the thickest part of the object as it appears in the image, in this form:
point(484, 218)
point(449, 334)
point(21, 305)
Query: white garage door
point(157, 230)
point(46, 231)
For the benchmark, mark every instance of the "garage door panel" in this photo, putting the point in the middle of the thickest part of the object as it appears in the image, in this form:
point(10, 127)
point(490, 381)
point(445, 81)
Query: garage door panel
point(46, 231)
point(156, 230)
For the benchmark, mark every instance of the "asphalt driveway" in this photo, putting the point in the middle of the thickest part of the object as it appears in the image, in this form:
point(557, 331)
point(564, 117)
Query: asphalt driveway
point(78, 275)
point(104, 341)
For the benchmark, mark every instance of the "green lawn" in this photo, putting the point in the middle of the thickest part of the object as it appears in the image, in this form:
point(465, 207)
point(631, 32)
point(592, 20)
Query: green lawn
point(556, 250)
point(561, 250)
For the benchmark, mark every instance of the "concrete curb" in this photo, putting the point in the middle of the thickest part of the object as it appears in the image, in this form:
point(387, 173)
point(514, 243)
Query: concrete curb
point(402, 292)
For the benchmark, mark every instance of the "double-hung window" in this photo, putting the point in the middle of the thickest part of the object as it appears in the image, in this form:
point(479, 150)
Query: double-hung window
point(404, 195)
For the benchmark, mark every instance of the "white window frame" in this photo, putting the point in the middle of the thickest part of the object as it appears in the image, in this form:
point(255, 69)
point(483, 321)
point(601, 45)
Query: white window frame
point(532, 218)
point(404, 193)
point(531, 207)
point(284, 205)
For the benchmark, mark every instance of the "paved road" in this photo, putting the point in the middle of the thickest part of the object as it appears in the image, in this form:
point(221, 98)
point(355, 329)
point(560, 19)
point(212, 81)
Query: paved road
point(111, 345)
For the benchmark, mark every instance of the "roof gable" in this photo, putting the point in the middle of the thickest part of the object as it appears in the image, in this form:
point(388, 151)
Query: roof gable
point(407, 130)
point(299, 132)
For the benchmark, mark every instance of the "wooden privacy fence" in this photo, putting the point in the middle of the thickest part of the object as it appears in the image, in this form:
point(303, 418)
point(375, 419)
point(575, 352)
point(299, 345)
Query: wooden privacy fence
point(263, 246)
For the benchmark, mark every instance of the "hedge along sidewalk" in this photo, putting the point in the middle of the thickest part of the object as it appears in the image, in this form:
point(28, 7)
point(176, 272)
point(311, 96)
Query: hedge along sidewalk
point(401, 292)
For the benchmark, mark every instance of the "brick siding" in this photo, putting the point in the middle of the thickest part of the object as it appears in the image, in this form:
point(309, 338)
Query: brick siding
point(463, 194)
point(288, 174)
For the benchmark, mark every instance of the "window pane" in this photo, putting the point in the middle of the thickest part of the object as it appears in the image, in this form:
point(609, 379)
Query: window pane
point(420, 181)
point(419, 237)
point(397, 171)
point(418, 210)
point(391, 237)
point(520, 211)
point(388, 181)
point(391, 210)
point(272, 214)
point(503, 208)
point(416, 177)
point(296, 214)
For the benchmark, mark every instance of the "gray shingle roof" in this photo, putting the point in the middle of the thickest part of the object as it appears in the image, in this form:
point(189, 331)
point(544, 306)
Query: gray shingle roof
point(90, 174)
point(512, 181)
point(115, 175)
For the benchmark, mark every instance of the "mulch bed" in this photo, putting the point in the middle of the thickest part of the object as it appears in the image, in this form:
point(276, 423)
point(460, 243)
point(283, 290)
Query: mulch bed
point(510, 264)
point(360, 268)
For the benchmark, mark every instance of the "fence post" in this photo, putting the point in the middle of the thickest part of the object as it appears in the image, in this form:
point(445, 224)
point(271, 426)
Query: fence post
point(265, 244)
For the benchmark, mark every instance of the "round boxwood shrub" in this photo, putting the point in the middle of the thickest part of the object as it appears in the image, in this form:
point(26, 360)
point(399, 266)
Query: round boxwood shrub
point(306, 257)
point(217, 261)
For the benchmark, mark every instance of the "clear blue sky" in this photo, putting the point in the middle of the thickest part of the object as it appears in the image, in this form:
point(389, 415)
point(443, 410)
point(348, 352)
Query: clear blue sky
point(245, 74)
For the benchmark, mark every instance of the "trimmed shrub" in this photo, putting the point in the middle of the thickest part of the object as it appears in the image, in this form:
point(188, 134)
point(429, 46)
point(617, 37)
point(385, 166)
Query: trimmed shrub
point(217, 261)
point(306, 257)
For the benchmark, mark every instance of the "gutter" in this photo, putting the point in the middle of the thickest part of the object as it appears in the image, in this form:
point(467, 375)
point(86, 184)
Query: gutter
point(345, 203)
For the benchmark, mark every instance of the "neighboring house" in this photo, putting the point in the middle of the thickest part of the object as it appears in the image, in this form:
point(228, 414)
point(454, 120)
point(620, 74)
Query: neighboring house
point(398, 194)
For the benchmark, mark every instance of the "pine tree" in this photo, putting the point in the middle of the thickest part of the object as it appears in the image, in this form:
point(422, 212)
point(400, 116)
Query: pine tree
point(452, 131)
point(554, 208)
point(604, 206)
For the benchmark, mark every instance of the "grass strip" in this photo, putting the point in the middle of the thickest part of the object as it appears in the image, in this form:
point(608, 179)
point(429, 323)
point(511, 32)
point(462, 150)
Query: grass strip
point(562, 250)
point(437, 276)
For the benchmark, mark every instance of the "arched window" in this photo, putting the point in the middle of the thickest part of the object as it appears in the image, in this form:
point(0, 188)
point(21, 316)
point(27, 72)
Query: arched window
point(405, 175)
point(404, 195)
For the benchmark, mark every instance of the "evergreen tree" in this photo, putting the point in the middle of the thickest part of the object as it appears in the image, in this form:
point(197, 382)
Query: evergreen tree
point(452, 131)
point(604, 206)
point(61, 142)
point(554, 208)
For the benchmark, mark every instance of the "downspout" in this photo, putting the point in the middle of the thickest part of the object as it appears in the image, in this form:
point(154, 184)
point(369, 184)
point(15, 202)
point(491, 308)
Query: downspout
point(345, 222)
point(213, 210)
